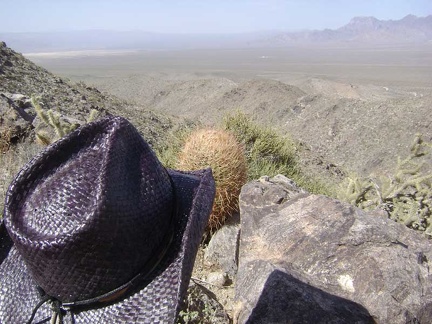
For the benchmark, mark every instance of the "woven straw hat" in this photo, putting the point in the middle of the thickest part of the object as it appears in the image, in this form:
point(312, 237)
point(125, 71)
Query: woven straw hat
point(96, 230)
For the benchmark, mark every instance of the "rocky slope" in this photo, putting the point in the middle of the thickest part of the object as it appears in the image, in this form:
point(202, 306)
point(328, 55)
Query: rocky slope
point(360, 128)
point(19, 76)
point(210, 99)
point(281, 225)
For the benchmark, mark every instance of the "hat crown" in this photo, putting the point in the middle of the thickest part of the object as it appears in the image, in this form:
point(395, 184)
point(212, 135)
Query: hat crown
point(90, 211)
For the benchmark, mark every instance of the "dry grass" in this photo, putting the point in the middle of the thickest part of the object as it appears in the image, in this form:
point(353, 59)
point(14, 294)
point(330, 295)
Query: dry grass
point(220, 151)
point(10, 163)
point(270, 153)
point(5, 140)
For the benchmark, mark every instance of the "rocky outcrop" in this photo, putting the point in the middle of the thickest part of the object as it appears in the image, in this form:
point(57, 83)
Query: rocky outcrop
point(310, 259)
point(16, 117)
point(20, 75)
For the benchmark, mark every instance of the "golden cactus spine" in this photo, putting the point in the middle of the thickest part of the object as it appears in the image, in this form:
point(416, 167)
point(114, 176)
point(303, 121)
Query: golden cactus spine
point(220, 151)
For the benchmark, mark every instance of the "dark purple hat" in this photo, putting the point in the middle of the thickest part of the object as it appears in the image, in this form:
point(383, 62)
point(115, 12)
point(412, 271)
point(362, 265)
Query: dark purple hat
point(96, 230)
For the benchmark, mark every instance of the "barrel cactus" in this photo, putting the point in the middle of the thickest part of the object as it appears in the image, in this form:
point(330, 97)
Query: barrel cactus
point(220, 151)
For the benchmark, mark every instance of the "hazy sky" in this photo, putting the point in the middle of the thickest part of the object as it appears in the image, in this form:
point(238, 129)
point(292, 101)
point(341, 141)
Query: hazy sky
point(193, 16)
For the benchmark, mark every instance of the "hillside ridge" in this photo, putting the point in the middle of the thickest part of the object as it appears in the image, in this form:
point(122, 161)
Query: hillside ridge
point(19, 75)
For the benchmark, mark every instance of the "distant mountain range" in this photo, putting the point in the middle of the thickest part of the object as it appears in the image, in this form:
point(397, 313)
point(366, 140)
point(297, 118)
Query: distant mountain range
point(360, 30)
point(410, 29)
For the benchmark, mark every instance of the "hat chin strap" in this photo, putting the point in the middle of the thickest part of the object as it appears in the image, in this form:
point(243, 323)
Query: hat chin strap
point(57, 316)
point(59, 308)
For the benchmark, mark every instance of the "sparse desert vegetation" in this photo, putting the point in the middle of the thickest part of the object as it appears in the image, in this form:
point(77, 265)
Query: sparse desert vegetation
point(333, 134)
point(314, 130)
point(344, 103)
point(269, 153)
point(405, 194)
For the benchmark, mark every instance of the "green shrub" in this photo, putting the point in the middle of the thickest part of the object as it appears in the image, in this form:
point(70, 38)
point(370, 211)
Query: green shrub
point(269, 153)
point(406, 195)
point(196, 309)
point(168, 152)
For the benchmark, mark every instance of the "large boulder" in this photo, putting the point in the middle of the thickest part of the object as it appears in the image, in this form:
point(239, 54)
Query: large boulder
point(311, 259)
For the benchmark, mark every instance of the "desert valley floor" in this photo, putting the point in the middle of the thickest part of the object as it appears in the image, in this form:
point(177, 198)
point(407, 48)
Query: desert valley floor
point(356, 107)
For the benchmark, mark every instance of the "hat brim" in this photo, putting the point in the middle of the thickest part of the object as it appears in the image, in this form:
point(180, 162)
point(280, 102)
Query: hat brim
point(158, 299)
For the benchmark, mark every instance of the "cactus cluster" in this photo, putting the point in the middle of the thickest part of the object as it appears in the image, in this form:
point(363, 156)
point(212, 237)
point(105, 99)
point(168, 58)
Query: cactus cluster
point(406, 196)
point(220, 151)
point(52, 120)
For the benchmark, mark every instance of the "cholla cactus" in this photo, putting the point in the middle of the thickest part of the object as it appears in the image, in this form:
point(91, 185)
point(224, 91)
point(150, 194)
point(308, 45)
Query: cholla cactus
point(219, 150)
point(406, 196)
point(52, 119)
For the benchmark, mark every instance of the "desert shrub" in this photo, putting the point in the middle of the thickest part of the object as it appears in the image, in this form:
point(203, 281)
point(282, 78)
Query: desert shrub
point(168, 152)
point(5, 140)
point(406, 195)
point(270, 153)
point(196, 309)
point(220, 151)
point(267, 152)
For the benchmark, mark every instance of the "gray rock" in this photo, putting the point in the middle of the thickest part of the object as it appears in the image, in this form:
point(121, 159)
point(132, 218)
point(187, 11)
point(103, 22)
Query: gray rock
point(21, 100)
point(201, 306)
point(218, 279)
point(267, 194)
point(19, 103)
point(312, 259)
point(15, 121)
point(222, 249)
